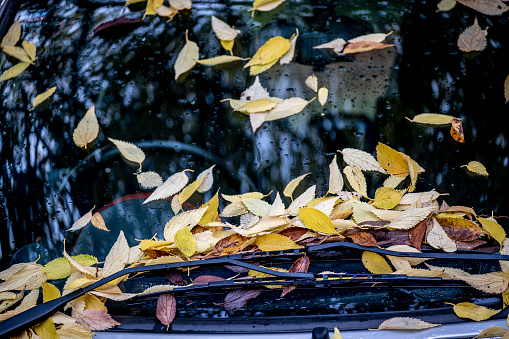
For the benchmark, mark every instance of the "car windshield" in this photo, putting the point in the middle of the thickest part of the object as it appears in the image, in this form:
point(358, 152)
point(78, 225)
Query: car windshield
point(198, 130)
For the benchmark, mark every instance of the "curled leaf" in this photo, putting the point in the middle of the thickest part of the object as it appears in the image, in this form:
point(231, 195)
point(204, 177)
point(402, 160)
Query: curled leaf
point(14, 71)
point(43, 96)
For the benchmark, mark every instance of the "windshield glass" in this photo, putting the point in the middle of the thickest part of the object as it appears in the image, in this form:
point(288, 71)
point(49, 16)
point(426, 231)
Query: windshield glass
point(282, 106)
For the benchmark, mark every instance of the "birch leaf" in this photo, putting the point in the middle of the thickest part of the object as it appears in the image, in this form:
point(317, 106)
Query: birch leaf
point(14, 71)
point(49, 292)
point(270, 52)
point(257, 106)
point(257, 69)
point(13, 35)
point(421, 197)
point(256, 206)
point(188, 191)
point(219, 60)
point(375, 263)
point(82, 222)
point(181, 4)
point(292, 185)
point(166, 308)
point(457, 130)
point(222, 30)
point(277, 207)
point(336, 45)
point(392, 161)
point(290, 54)
point(335, 177)
point(287, 108)
point(364, 46)
point(255, 91)
point(446, 5)
point(316, 221)
point(356, 179)
point(312, 82)
point(149, 180)
point(117, 257)
point(492, 331)
point(46, 329)
point(211, 213)
point(392, 181)
point(494, 229)
point(476, 167)
point(323, 95)
point(187, 58)
point(473, 312)
point(29, 301)
point(129, 151)
point(185, 219)
point(386, 197)
point(405, 323)
point(373, 37)
point(265, 5)
point(96, 320)
point(489, 283)
point(171, 186)
point(361, 159)
point(17, 52)
point(208, 181)
point(432, 119)
point(185, 242)
point(488, 7)
point(437, 238)
point(473, 38)
point(410, 218)
point(29, 49)
point(275, 242)
point(234, 209)
point(266, 224)
point(43, 96)
point(87, 129)
point(302, 200)
point(176, 206)
point(98, 222)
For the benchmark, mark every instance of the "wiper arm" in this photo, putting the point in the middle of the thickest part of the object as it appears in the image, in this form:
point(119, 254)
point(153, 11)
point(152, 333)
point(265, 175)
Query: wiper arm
point(37, 314)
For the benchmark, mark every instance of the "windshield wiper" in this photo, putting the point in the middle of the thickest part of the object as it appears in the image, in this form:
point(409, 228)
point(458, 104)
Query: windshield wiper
point(37, 314)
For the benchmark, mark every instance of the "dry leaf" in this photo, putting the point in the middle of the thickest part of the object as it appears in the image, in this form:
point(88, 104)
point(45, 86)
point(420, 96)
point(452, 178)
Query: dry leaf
point(129, 151)
point(228, 245)
point(410, 218)
point(43, 96)
point(185, 219)
point(17, 52)
point(166, 308)
point(460, 229)
point(257, 106)
point(14, 71)
point(312, 82)
point(405, 323)
point(60, 267)
point(211, 213)
point(473, 38)
point(270, 52)
point(275, 242)
point(335, 177)
point(181, 4)
point(492, 331)
point(98, 222)
point(265, 5)
point(337, 335)
point(361, 159)
point(364, 46)
point(292, 185)
point(82, 222)
point(73, 331)
point(149, 180)
point(336, 45)
point(488, 7)
point(117, 257)
point(494, 229)
point(219, 60)
point(189, 190)
point(392, 161)
point(12, 36)
point(356, 179)
point(421, 197)
point(30, 49)
point(323, 95)
point(476, 167)
point(290, 54)
point(237, 299)
point(506, 89)
point(489, 283)
point(185, 242)
point(29, 301)
point(437, 238)
point(386, 197)
point(256, 206)
point(46, 329)
point(300, 265)
point(208, 181)
point(171, 186)
point(373, 37)
point(375, 263)
point(222, 30)
point(363, 238)
point(316, 221)
point(473, 312)
point(446, 5)
point(432, 118)
point(457, 130)
point(87, 129)
point(287, 108)
point(186, 58)
point(96, 320)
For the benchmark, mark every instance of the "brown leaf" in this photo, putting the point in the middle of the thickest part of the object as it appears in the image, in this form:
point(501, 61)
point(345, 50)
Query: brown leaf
point(300, 265)
point(229, 245)
point(488, 7)
point(473, 38)
point(96, 320)
point(117, 28)
point(460, 229)
point(205, 279)
point(237, 299)
point(457, 130)
point(373, 223)
point(395, 238)
point(294, 233)
point(469, 245)
point(364, 46)
point(363, 238)
point(237, 269)
point(98, 222)
point(175, 276)
point(166, 309)
point(416, 234)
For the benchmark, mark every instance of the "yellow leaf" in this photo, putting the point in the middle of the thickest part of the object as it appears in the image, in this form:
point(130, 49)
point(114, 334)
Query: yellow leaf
point(473, 312)
point(316, 221)
point(150, 8)
point(185, 219)
point(363, 212)
point(387, 198)
point(292, 185)
point(476, 167)
point(256, 206)
point(492, 331)
point(356, 179)
point(223, 31)
point(488, 7)
point(337, 335)
point(446, 5)
point(290, 54)
point(129, 151)
point(228, 45)
point(287, 108)
point(171, 186)
point(181, 4)
point(432, 119)
point(87, 129)
point(392, 161)
point(49, 292)
point(43, 96)
point(375, 263)
point(222, 59)
point(29, 301)
point(405, 323)
point(211, 213)
point(270, 52)
point(46, 329)
point(98, 222)
point(257, 106)
point(473, 38)
point(14, 71)
point(234, 209)
point(17, 52)
point(238, 198)
point(275, 242)
point(374, 37)
point(323, 95)
point(493, 229)
point(188, 191)
point(60, 267)
point(187, 58)
point(312, 82)
point(413, 169)
point(13, 35)
point(185, 241)
point(257, 69)
point(29, 49)
point(265, 5)
point(74, 331)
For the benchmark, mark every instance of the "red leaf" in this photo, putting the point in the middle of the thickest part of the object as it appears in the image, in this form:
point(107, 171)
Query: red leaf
point(175, 276)
point(469, 245)
point(416, 234)
point(237, 299)
point(205, 279)
point(96, 320)
point(363, 238)
point(300, 265)
point(294, 233)
point(166, 309)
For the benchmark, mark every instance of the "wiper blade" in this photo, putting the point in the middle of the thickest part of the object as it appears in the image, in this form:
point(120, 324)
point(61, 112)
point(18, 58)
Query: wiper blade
point(37, 314)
